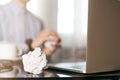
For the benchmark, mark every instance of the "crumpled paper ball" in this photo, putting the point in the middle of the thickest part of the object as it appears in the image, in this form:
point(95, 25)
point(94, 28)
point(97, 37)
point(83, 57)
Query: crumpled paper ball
point(35, 61)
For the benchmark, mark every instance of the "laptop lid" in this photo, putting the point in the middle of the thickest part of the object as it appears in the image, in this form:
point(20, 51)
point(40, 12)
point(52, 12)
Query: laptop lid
point(103, 45)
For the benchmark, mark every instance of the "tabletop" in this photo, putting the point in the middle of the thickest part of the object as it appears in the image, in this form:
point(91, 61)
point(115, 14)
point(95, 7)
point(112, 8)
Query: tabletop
point(17, 71)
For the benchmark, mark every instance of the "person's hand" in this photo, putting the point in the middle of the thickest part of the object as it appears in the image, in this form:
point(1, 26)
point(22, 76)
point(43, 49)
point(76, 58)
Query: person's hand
point(44, 38)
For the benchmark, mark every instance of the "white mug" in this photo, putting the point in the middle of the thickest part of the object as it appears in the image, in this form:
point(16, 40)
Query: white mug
point(9, 51)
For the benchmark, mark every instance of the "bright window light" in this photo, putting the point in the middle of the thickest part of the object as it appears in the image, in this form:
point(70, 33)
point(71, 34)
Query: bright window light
point(65, 16)
point(84, 16)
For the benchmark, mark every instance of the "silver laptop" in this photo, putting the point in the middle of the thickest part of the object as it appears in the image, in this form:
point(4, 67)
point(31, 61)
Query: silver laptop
point(103, 52)
point(103, 41)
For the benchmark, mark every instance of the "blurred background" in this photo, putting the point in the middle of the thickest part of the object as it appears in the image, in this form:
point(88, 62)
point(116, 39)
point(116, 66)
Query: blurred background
point(69, 18)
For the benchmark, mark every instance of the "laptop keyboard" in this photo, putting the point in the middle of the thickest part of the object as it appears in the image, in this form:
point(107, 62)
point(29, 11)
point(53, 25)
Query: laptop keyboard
point(74, 66)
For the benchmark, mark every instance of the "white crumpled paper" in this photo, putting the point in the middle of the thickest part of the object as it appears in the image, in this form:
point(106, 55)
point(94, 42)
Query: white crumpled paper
point(35, 61)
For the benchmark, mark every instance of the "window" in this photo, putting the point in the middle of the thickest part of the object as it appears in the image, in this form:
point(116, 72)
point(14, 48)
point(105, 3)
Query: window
point(84, 16)
point(65, 16)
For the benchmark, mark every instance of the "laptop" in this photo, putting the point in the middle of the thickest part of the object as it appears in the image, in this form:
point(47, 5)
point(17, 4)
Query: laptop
point(103, 53)
point(103, 41)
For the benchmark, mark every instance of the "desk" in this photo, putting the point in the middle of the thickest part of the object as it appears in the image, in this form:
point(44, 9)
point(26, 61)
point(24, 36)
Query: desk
point(18, 72)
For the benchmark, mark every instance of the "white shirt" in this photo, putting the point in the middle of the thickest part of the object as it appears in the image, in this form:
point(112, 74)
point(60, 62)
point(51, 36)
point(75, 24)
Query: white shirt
point(17, 25)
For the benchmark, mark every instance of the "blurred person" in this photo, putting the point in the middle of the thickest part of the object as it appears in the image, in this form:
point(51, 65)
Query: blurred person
point(17, 25)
